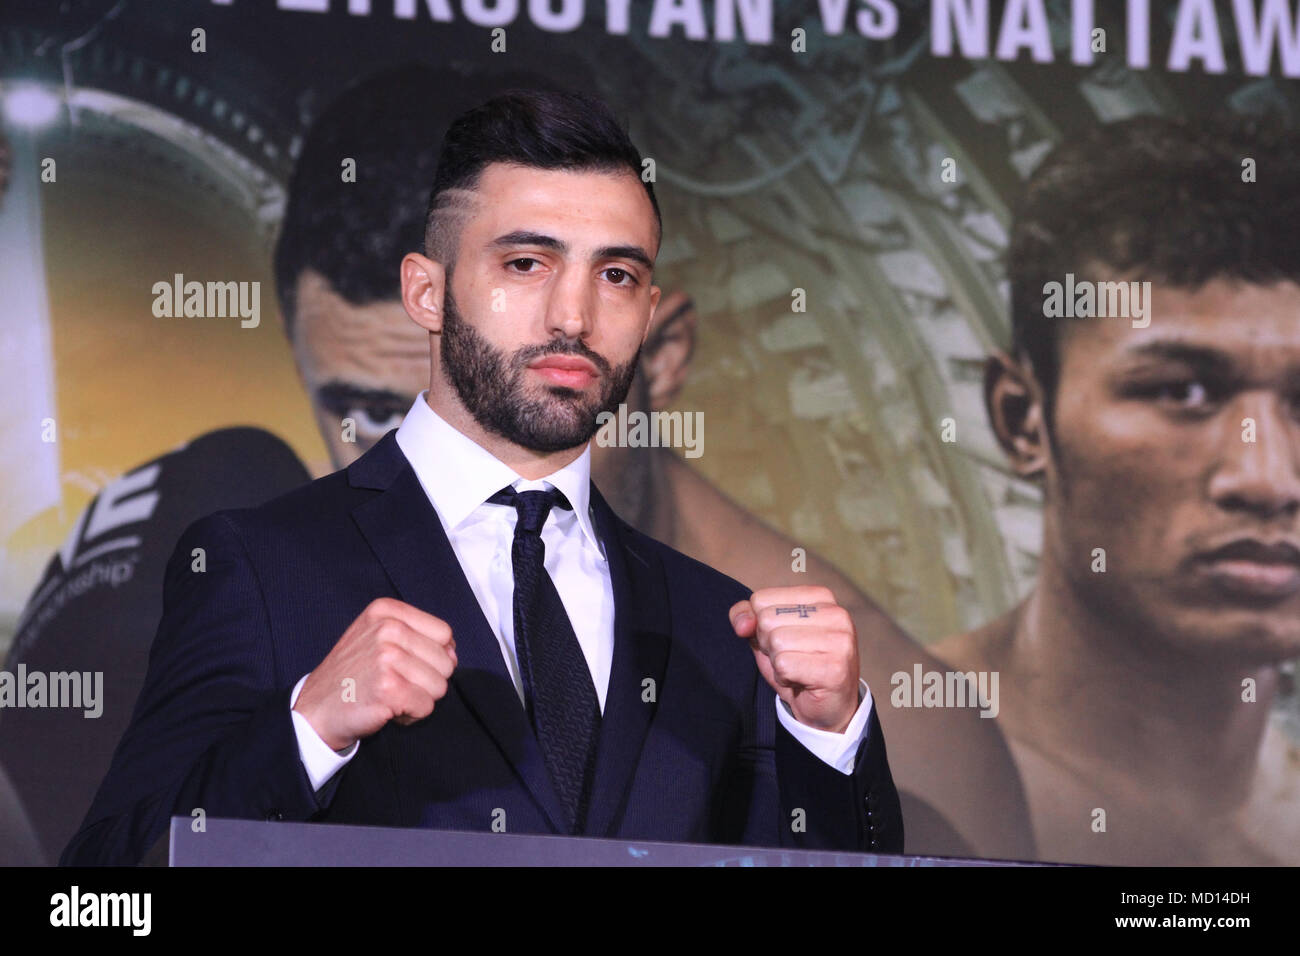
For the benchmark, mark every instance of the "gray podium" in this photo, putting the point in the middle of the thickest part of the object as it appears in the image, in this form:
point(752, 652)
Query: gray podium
point(255, 843)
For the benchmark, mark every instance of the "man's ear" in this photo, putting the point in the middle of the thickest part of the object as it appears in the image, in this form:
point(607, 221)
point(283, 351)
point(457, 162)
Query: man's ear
point(666, 355)
point(1014, 402)
point(422, 290)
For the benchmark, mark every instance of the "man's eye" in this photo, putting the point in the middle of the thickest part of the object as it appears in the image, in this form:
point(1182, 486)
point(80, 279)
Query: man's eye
point(374, 422)
point(524, 259)
point(617, 275)
point(1189, 394)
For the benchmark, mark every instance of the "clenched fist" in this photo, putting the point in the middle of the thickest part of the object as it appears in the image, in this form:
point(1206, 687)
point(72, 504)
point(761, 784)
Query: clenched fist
point(400, 660)
point(806, 649)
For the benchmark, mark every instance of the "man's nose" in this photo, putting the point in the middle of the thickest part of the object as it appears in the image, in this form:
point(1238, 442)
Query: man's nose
point(569, 311)
point(1260, 476)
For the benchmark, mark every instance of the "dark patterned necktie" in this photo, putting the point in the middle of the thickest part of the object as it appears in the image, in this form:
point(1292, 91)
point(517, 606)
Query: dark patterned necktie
point(561, 698)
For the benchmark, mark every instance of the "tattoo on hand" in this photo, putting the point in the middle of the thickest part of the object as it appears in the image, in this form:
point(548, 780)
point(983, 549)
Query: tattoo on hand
point(803, 610)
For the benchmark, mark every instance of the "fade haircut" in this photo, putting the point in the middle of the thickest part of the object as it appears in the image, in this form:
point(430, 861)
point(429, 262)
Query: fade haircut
point(1161, 200)
point(543, 129)
point(355, 234)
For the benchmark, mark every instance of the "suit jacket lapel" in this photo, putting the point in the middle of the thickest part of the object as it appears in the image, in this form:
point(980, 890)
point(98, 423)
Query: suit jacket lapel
point(642, 628)
point(406, 536)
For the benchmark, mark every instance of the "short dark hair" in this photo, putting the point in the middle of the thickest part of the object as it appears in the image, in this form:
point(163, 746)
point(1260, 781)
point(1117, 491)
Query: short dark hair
point(544, 129)
point(355, 233)
point(1157, 197)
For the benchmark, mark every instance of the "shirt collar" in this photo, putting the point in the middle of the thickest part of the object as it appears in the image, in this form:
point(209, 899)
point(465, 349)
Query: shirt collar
point(458, 474)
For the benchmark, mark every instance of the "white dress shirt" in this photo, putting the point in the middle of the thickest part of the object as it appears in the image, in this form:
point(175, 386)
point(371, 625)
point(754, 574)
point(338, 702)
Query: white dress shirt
point(459, 476)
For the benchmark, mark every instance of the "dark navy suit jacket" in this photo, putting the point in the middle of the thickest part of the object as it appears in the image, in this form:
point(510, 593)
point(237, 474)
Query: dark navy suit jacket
point(690, 747)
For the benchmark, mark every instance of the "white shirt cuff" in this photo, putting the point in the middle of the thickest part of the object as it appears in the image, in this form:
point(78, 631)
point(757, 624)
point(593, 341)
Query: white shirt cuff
point(838, 750)
point(319, 759)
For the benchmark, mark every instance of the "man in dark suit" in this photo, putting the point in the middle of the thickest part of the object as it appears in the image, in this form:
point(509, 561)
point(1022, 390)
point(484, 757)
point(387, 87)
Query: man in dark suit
point(478, 641)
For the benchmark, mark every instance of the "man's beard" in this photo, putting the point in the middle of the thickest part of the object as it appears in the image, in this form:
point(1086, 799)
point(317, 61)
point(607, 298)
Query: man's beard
point(491, 387)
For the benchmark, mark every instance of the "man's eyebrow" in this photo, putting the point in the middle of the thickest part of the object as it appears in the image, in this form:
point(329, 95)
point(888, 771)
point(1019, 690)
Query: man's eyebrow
point(525, 237)
point(634, 253)
point(1202, 357)
point(340, 394)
